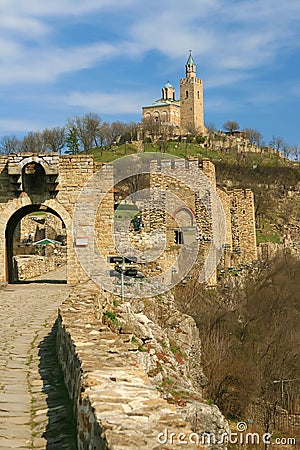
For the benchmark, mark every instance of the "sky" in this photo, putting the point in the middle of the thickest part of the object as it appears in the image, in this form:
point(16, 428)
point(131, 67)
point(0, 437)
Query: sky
point(63, 58)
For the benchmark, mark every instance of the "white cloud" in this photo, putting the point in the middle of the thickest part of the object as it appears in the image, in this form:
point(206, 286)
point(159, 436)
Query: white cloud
point(12, 126)
point(106, 103)
point(40, 65)
point(225, 36)
point(38, 8)
point(26, 26)
point(242, 36)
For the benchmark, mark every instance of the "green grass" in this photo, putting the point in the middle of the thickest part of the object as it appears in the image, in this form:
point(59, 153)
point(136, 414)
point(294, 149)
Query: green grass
point(267, 237)
point(110, 154)
point(183, 150)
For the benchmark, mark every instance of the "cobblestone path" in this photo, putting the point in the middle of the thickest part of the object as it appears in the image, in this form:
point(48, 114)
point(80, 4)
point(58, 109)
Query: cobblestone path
point(34, 408)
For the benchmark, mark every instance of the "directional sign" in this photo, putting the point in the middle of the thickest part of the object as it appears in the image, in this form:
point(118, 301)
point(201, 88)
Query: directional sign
point(121, 259)
point(114, 259)
point(130, 272)
point(114, 273)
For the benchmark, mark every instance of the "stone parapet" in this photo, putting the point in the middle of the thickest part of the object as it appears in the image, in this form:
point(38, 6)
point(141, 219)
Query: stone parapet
point(115, 403)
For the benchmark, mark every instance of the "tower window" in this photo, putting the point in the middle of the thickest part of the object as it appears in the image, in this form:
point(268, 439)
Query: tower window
point(198, 94)
point(186, 94)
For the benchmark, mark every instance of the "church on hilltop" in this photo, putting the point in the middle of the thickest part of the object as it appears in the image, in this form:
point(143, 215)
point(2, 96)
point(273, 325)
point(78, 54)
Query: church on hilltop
point(183, 116)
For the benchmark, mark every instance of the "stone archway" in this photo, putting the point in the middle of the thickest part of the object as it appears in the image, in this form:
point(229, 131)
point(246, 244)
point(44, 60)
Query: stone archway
point(11, 225)
point(14, 212)
point(186, 216)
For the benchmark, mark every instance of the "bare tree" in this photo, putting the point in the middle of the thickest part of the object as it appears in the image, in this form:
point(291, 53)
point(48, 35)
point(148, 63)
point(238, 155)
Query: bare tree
point(9, 144)
point(32, 142)
point(295, 150)
point(152, 127)
point(211, 128)
point(231, 126)
point(54, 138)
point(104, 136)
point(192, 130)
point(117, 130)
point(131, 129)
point(277, 143)
point(87, 128)
point(253, 136)
point(286, 150)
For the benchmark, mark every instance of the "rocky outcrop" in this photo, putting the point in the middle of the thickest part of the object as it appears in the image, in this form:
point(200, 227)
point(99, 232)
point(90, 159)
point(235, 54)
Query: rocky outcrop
point(170, 353)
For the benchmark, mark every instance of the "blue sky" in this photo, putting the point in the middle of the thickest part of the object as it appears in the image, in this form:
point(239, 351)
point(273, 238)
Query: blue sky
point(63, 58)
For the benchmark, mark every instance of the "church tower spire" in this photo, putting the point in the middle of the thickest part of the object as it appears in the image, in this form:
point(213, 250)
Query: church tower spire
point(190, 67)
point(191, 100)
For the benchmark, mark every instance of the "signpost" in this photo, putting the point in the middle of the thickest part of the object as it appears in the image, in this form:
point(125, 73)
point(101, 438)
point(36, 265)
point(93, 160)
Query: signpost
point(123, 268)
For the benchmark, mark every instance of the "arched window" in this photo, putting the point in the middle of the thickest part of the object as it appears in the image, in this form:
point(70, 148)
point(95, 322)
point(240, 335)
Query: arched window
point(164, 116)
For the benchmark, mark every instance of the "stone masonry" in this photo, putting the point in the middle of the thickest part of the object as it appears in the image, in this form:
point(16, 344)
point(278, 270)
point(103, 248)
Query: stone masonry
point(49, 183)
point(52, 183)
point(116, 405)
point(238, 207)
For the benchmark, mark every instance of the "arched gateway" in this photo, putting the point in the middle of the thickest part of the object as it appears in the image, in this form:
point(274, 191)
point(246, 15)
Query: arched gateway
point(48, 183)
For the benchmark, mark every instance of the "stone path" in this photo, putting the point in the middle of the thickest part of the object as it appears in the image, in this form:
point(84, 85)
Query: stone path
point(34, 408)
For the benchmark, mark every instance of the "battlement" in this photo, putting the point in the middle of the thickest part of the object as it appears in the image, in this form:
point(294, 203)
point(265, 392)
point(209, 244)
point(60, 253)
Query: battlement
point(190, 81)
point(167, 166)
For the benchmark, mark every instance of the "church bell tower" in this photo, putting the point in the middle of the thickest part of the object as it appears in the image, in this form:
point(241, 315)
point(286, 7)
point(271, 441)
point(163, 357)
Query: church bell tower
point(191, 100)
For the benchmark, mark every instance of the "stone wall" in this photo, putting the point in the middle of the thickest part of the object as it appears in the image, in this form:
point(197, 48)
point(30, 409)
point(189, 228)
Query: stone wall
point(63, 179)
point(41, 226)
point(269, 250)
point(238, 143)
point(116, 404)
point(238, 206)
point(31, 266)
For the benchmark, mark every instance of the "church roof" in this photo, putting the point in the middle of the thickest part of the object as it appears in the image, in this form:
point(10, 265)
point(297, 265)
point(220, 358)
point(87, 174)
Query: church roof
point(168, 85)
point(190, 59)
point(162, 102)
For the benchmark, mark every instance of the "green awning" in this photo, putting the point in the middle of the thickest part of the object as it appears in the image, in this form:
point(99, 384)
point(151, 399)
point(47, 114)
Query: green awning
point(46, 242)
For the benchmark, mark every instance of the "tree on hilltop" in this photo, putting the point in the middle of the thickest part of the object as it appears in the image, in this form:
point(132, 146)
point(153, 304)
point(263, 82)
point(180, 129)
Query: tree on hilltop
point(253, 136)
point(87, 128)
point(277, 143)
point(32, 142)
point(231, 126)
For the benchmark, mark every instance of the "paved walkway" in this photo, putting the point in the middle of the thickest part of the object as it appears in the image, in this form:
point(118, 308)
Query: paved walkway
point(34, 408)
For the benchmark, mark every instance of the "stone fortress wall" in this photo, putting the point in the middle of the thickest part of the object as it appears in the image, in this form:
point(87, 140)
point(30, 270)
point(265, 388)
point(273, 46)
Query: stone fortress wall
point(53, 183)
point(93, 358)
point(48, 183)
point(116, 404)
point(238, 206)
